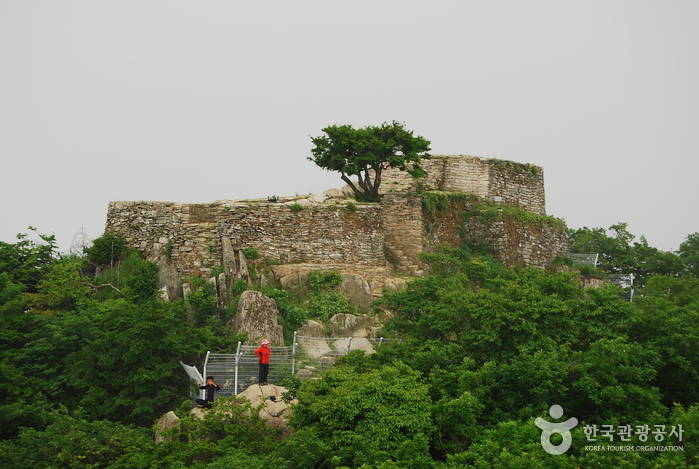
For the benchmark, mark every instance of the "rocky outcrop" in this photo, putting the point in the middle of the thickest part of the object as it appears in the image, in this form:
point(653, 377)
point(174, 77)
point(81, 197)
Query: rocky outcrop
point(166, 421)
point(360, 343)
point(349, 325)
point(311, 338)
point(257, 315)
point(395, 284)
point(312, 328)
point(228, 258)
point(294, 280)
point(275, 412)
point(357, 290)
point(268, 398)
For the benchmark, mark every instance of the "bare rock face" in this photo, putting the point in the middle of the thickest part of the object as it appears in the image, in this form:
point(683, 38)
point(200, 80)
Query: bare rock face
point(166, 421)
point(257, 314)
point(347, 191)
point(294, 280)
point(228, 255)
point(359, 343)
point(312, 328)
point(395, 284)
point(349, 325)
point(167, 278)
point(244, 272)
point(587, 282)
point(357, 289)
point(332, 193)
point(274, 412)
point(311, 338)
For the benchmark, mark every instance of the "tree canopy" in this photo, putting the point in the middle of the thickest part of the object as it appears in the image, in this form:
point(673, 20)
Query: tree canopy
point(88, 364)
point(621, 253)
point(367, 151)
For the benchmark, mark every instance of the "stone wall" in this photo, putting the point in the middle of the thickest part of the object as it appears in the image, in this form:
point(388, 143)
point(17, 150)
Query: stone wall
point(194, 239)
point(404, 228)
point(533, 243)
point(191, 236)
point(515, 184)
point(517, 243)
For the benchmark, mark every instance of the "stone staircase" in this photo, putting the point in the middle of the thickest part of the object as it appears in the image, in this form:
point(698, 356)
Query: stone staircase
point(400, 261)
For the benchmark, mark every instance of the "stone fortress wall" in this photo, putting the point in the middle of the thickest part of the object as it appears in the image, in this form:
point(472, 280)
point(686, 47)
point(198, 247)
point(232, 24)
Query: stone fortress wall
point(514, 184)
point(369, 240)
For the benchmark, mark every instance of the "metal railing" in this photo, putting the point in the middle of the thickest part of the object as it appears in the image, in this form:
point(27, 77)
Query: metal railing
point(235, 372)
point(584, 259)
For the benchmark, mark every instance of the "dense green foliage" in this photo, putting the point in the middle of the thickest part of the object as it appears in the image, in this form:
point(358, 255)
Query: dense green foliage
point(107, 249)
point(357, 152)
point(106, 344)
point(621, 253)
point(689, 253)
point(88, 364)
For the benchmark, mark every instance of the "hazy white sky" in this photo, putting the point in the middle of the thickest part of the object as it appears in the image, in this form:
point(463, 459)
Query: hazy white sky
point(200, 101)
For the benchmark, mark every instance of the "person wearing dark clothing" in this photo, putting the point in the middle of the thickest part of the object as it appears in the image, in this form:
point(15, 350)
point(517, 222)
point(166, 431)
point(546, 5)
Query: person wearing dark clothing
point(211, 389)
point(263, 352)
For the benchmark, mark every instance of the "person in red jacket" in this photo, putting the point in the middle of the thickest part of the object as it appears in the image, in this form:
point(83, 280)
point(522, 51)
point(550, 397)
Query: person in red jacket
point(263, 352)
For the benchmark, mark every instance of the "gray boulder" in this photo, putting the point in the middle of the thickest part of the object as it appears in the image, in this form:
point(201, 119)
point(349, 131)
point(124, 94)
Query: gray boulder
point(257, 314)
point(349, 325)
point(166, 421)
point(294, 280)
point(311, 339)
point(275, 413)
point(357, 289)
point(228, 254)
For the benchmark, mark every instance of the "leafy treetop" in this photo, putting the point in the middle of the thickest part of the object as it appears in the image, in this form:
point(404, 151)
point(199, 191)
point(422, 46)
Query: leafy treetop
point(359, 152)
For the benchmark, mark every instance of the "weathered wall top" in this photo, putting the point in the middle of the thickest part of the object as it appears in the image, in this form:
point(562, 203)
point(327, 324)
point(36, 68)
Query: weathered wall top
point(330, 230)
point(514, 184)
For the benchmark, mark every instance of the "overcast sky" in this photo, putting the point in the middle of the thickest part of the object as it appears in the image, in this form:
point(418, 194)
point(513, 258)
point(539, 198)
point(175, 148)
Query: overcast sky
point(200, 101)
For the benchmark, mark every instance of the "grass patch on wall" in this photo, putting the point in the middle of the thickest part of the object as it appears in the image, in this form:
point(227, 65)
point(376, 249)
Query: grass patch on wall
point(442, 201)
point(488, 212)
point(516, 168)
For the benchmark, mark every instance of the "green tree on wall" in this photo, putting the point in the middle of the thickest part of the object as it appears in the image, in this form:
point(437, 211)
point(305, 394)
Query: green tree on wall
point(689, 253)
point(358, 152)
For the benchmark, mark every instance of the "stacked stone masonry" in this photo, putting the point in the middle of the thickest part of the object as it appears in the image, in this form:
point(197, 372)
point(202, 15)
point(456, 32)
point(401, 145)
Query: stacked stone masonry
point(371, 240)
point(515, 184)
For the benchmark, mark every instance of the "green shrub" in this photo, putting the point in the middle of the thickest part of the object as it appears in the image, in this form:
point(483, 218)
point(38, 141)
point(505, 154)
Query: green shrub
point(324, 280)
point(106, 249)
point(324, 305)
point(216, 271)
point(142, 277)
point(203, 302)
point(168, 249)
point(239, 286)
point(251, 253)
point(591, 272)
point(135, 278)
point(292, 315)
point(296, 207)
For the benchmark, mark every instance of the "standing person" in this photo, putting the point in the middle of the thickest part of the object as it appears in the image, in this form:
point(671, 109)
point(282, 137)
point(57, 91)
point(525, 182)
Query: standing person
point(211, 389)
point(263, 352)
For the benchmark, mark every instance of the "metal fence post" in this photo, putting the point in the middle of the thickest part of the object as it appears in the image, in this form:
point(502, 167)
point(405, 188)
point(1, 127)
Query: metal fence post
point(202, 392)
point(293, 355)
point(237, 359)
